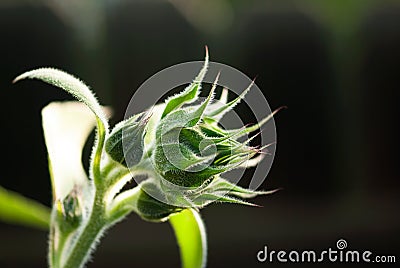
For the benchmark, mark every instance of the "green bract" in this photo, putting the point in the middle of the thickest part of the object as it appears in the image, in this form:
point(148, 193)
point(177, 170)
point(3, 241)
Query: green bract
point(133, 130)
point(178, 146)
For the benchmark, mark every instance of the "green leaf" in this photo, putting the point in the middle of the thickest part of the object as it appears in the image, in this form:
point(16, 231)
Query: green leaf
point(190, 93)
point(80, 91)
point(70, 84)
point(187, 117)
point(221, 190)
point(223, 98)
point(243, 131)
point(206, 198)
point(227, 188)
point(219, 112)
point(17, 209)
point(125, 143)
point(191, 236)
point(150, 209)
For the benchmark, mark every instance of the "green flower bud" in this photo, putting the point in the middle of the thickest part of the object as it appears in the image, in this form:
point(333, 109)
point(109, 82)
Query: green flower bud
point(186, 151)
point(69, 210)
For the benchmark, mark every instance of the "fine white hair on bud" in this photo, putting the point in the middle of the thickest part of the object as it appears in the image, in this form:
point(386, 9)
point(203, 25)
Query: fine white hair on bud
point(184, 150)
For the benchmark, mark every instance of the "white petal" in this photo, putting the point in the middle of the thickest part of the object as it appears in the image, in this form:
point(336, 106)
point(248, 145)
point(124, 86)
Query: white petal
point(66, 127)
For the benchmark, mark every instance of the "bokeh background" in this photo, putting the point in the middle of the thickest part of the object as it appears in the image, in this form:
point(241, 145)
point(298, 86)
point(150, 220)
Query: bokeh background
point(335, 64)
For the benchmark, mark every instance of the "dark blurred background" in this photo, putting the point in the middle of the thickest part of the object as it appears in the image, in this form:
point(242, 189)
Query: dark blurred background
point(335, 64)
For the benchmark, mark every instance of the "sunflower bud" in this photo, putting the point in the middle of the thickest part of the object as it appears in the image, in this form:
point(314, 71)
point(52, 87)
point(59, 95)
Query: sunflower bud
point(186, 151)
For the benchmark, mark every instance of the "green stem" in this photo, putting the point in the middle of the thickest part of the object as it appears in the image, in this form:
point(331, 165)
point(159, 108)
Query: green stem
point(88, 237)
point(52, 258)
point(191, 236)
point(56, 255)
point(96, 224)
point(101, 133)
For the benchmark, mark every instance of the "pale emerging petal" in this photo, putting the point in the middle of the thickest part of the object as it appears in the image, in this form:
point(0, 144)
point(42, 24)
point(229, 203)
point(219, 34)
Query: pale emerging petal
point(66, 127)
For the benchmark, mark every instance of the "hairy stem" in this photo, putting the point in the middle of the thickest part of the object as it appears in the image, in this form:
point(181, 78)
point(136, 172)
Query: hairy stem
point(56, 249)
point(88, 237)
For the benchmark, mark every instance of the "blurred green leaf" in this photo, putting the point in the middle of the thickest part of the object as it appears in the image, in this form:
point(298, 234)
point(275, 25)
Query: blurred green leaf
point(191, 236)
point(17, 209)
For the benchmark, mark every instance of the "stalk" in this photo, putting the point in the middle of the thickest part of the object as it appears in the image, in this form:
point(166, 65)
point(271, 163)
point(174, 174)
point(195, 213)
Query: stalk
point(89, 236)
